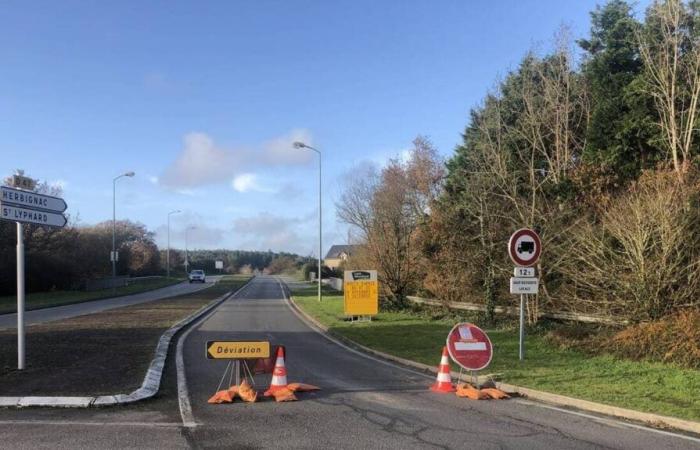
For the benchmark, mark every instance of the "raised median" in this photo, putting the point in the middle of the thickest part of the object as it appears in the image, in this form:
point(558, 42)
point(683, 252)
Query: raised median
point(98, 354)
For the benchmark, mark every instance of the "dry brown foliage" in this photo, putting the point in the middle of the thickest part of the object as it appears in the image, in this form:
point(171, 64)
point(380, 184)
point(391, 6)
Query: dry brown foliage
point(641, 260)
point(674, 339)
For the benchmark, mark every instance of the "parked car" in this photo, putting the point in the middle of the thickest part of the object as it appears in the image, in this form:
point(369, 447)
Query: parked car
point(197, 275)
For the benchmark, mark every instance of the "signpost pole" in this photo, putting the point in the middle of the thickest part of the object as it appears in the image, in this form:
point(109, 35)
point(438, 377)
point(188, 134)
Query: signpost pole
point(20, 297)
point(521, 352)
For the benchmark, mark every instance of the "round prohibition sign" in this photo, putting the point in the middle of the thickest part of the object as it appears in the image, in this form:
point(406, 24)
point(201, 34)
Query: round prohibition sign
point(469, 346)
point(525, 247)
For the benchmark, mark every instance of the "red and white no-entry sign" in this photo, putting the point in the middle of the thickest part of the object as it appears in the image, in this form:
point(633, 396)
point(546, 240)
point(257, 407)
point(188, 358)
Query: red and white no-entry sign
point(524, 247)
point(469, 346)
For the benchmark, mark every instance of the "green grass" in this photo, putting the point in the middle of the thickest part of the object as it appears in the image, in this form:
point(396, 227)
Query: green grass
point(643, 386)
point(39, 300)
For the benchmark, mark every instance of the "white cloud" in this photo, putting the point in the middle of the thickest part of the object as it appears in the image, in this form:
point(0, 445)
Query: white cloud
point(202, 161)
point(247, 182)
point(153, 179)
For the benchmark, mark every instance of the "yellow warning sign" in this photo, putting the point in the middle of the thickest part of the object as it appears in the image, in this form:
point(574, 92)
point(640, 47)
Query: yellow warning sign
point(361, 293)
point(237, 349)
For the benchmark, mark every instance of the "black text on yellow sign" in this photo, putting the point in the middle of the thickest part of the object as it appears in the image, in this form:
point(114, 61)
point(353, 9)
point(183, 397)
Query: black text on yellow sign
point(238, 349)
point(361, 298)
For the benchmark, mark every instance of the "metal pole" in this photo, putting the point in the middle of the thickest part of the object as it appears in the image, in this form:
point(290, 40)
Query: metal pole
point(20, 297)
point(187, 255)
point(320, 228)
point(167, 253)
point(521, 349)
point(114, 233)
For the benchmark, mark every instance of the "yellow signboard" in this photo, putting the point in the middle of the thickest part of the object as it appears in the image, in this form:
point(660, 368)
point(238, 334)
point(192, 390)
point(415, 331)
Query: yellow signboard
point(238, 349)
point(361, 293)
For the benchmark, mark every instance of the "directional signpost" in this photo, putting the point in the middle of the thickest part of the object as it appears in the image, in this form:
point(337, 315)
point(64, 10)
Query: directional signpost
point(19, 203)
point(236, 351)
point(524, 249)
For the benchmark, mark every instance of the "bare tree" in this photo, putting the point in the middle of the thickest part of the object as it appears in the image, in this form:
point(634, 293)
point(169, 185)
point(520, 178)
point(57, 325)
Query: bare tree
point(669, 45)
point(388, 208)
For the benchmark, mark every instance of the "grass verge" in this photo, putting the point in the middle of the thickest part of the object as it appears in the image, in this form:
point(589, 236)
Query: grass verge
point(40, 300)
point(97, 354)
point(643, 386)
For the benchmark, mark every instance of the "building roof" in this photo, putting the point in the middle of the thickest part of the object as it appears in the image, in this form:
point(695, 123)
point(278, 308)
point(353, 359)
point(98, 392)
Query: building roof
point(336, 250)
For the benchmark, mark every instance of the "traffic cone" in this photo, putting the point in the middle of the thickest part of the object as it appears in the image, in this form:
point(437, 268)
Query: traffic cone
point(443, 382)
point(279, 374)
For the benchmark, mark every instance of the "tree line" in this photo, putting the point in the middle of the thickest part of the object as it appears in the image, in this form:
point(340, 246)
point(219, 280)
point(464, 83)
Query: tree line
point(594, 144)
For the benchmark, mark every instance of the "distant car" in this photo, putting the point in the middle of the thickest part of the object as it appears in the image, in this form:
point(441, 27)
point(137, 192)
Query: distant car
point(197, 275)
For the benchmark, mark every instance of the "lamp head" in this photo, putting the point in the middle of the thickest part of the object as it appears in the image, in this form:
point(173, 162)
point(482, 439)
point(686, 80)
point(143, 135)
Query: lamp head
point(298, 144)
point(129, 174)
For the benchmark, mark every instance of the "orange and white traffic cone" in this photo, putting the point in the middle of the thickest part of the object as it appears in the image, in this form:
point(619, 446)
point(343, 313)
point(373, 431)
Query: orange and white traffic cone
point(279, 374)
point(443, 383)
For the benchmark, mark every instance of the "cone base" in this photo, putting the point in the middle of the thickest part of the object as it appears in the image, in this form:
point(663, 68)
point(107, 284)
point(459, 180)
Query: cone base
point(442, 388)
point(274, 389)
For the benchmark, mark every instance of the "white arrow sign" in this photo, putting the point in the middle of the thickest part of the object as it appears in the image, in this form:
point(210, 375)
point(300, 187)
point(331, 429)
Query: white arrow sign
point(31, 200)
point(16, 214)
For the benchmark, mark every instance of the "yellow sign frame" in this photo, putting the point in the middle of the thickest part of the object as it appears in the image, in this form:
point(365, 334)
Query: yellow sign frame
point(361, 293)
point(237, 349)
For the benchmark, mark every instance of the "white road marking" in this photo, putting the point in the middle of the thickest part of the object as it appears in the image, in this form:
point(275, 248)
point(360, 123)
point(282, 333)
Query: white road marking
point(87, 423)
point(611, 422)
point(183, 395)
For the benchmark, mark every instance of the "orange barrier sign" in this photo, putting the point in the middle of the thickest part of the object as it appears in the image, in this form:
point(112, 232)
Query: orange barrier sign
point(238, 349)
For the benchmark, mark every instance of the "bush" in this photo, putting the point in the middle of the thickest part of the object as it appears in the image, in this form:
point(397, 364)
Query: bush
point(642, 260)
point(674, 339)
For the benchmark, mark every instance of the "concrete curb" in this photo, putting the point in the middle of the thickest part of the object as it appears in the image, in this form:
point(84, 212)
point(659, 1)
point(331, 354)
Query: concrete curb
point(151, 381)
point(653, 420)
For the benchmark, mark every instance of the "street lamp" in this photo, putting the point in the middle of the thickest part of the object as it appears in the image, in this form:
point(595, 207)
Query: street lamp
point(114, 225)
point(187, 259)
point(167, 262)
point(320, 220)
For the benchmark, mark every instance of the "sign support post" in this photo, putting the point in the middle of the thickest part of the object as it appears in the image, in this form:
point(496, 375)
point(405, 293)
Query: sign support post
point(524, 249)
point(20, 296)
point(20, 204)
point(521, 347)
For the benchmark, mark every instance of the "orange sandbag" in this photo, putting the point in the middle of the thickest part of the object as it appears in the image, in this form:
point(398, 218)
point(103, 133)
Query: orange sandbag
point(247, 393)
point(468, 391)
point(301, 387)
point(495, 393)
point(284, 395)
point(221, 397)
point(233, 390)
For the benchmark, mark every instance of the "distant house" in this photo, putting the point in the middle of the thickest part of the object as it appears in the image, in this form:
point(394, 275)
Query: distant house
point(337, 254)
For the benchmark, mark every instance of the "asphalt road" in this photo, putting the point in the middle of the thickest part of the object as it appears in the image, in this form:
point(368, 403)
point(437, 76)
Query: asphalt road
point(364, 403)
point(89, 307)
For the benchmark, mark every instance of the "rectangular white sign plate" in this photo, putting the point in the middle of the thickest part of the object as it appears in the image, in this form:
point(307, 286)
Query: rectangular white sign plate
point(520, 285)
point(31, 200)
point(24, 215)
point(470, 346)
point(524, 272)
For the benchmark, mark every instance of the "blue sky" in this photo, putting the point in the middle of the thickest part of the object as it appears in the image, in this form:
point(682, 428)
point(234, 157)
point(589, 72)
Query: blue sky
point(203, 99)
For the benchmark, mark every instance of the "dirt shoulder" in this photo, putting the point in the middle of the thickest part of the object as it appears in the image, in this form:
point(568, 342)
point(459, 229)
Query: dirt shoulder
point(97, 354)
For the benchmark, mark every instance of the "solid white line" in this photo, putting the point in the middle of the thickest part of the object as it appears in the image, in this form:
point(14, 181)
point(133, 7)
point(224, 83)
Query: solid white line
point(183, 395)
point(86, 423)
point(541, 405)
point(607, 421)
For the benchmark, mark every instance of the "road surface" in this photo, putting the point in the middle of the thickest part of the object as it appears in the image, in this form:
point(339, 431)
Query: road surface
point(364, 403)
point(89, 307)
